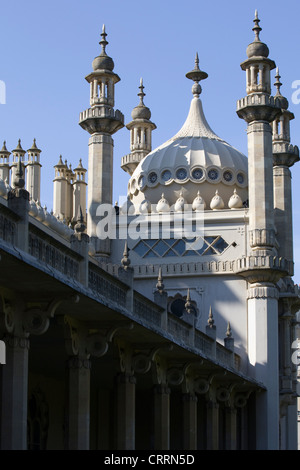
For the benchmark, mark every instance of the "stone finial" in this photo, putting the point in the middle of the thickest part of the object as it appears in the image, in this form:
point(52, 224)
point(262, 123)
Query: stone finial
point(125, 261)
point(196, 75)
point(217, 202)
point(141, 94)
point(210, 321)
point(256, 28)
point(19, 181)
point(188, 305)
point(80, 225)
point(163, 205)
point(235, 202)
point(228, 331)
point(160, 285)
point(103, 41)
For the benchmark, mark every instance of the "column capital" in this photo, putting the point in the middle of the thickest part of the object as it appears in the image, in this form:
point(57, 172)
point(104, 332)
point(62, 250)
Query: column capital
point(260, 291)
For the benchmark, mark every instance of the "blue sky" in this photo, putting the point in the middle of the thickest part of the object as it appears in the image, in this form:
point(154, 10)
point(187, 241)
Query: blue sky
point(48, 49)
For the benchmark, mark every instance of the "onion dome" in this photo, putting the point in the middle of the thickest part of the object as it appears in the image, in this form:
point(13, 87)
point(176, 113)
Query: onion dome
point(217, 202)
point(235, 202)
point(280, 100)
point(103, 61)
point(196, 158)
point(257, 48)
point(141, 111)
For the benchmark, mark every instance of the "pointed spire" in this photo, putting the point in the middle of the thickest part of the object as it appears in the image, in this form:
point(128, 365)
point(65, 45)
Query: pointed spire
point(19, 181)
point(141, 94)
point(125, 260)
point(188, 305)
point(228, 331)
point(103, 41)
point(80, 225)
point(4, 150)
point(256, 28)
point(160, 285)
point(210, 320)
point(196, 75)
point(277, 84)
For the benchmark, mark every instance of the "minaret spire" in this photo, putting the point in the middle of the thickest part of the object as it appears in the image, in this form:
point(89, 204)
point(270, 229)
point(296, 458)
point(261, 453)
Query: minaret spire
point(103, 41)
point(101, 121)
point(140, 134)
point(256, 28)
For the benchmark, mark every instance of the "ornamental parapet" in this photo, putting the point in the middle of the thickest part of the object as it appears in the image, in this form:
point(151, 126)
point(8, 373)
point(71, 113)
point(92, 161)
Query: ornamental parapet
point(285, 154)
point(257, 268)
point(257, 107)
point(101, 119)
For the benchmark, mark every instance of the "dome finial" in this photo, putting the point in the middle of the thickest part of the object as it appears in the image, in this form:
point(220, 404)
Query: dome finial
point(141, 94)
point(256, 28)
point(278, 83)
point(196, 75)
point(103, 41)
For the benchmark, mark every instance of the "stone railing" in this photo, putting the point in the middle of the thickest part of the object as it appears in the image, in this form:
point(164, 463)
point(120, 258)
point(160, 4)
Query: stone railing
point(103, 284)
point(52, 253)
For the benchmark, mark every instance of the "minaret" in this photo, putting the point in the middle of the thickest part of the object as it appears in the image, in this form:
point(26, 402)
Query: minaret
point(33, 175)
point(262, 268)
point(60, 190)
point(79, 192)
point(284, 157)
point(140, 134)
point(18, 155)
point(101, 121)
point(259, 110)
point(4, 163)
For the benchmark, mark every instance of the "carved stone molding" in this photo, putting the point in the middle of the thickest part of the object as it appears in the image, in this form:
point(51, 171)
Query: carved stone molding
point(262, 237)
point(16, 342)
point(75, 362)
point(262, 292)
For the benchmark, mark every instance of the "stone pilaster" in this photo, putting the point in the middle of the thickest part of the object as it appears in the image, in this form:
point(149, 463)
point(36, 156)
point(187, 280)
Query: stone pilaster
point(212, 427)
point(14, 394)
point(125, 411)
point(189, 403)
point(263, 360)
point(161, 417)
point(78, 427)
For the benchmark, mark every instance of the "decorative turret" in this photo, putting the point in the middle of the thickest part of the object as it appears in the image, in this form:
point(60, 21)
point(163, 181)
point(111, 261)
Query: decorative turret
point(101, 121)
point(79, 190)
point(140, 134)
point(4, 163)
point(61, 209)
point(284, 157)
point(259, 109)
point(18, 155)
point(33, 175)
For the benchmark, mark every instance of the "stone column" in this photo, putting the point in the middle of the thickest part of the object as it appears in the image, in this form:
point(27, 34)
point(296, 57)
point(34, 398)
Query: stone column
point(161, 417)
point(78, 403)
point(263, 358)
point(14, 394)
point(189, 421)
point(230, 428)
point(212, 413)
point(126, 412)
